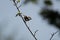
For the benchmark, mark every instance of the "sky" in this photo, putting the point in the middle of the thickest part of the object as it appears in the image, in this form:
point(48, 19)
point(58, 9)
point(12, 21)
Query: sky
point(13, 27)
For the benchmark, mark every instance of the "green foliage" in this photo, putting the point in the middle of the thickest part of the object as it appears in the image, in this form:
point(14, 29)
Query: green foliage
point(48, 2)
point(33, 1)
point(18, 14)
point(18, 1)
point(52, 16)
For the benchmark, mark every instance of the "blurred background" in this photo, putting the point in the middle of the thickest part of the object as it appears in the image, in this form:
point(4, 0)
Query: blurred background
point(13, 28)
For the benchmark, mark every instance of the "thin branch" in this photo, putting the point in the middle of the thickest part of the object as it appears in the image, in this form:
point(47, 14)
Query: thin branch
point(35, 32)
point(19, 6)
point(28, 28)
point(25, 22)
point(53, 35)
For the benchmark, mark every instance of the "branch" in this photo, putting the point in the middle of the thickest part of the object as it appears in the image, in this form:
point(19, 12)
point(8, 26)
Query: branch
point(25, 22)
point(35, 32)
point(53, 35)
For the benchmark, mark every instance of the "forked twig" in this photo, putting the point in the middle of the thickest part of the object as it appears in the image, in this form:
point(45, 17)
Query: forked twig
point(35, 32)
point(53, 35)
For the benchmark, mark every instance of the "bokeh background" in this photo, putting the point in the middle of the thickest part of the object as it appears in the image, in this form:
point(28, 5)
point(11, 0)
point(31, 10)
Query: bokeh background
point(13, 28)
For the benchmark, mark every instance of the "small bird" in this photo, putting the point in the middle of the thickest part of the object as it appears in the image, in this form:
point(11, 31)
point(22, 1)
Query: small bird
point(27, 18)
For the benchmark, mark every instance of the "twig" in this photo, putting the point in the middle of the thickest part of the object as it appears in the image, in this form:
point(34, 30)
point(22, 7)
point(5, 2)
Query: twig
point(25, 22)
point(35, 32)
point(19, 6)
point(53, 35)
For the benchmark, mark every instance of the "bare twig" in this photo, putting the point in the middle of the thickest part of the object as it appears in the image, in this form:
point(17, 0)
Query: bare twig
point(53, 35)
point(19, 6)
point(35, 32)
point(25, 22)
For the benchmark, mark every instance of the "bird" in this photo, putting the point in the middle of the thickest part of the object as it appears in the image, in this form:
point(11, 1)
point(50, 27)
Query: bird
point(27, 18)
